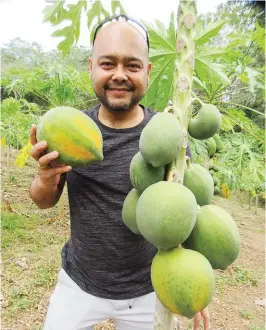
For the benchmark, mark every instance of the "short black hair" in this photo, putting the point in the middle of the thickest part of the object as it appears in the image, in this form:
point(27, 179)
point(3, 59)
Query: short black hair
point(122, 17)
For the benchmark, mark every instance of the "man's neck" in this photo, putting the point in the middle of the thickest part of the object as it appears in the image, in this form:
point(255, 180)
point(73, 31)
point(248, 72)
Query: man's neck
point(123, 119)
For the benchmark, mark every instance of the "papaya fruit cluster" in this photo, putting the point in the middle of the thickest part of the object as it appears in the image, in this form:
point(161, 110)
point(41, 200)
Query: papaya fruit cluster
point(193, 236)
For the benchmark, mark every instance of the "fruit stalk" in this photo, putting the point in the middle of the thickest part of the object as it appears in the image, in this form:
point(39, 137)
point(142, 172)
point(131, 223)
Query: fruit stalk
point(183, 77)
point(182, 99)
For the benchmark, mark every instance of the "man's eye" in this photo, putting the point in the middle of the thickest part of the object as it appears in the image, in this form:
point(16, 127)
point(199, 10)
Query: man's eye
point(135, 66)
point(107, 64)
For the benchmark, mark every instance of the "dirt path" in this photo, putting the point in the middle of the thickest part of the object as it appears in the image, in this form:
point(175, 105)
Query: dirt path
point(32, 240)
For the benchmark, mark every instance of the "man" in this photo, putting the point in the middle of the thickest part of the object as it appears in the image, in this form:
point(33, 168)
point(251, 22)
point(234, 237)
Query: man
point(105, 267)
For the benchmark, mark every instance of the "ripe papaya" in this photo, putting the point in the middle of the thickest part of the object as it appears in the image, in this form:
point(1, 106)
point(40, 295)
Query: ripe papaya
point(166, 214)
point(200, 182)
point(183, 280)
point(211, 146)
point(129, 210)
point(219, 143)
point(143, 174)
point(160, 139)
point(216, 236)
point(206, 123)
point(73, 134)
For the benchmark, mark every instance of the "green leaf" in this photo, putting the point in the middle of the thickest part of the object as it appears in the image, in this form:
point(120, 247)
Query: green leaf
point(259, 36)
point(171, 31)
point(54, 13)
point(212, 54)
point(249, 76)
point(210, 73)
point(117, 7)
point(158, 38)
point(211, 32)
point(160, 88)
point(97, 12)
point(200, 84)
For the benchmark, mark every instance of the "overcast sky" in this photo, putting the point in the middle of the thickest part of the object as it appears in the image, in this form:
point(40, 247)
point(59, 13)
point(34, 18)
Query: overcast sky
point(23, 18)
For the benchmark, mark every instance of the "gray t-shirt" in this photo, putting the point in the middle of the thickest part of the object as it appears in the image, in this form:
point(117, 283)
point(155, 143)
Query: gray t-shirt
point(102, 255)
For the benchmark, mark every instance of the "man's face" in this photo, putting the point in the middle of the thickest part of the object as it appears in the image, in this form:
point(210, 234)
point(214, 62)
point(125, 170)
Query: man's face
point(119, 66)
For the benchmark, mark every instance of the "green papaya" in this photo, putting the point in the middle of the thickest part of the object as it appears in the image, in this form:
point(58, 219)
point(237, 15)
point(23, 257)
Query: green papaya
point(129, 210)
point(216, 236)
point(160, 139)
point(143, 174)
point(166, 214)
point(200, 182)
point(211, 146)
point(211, 172)
point(219, 143)
point(206, 123)
point(214, 168)
point(183, 280)
point(217, 190)
point(215, 180)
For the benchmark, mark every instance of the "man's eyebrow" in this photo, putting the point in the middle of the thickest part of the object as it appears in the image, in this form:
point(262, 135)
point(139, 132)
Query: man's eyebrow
point(128, 59)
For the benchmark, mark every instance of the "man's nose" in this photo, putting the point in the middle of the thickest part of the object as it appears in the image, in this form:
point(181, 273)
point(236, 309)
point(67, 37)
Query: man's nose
point(119, 74)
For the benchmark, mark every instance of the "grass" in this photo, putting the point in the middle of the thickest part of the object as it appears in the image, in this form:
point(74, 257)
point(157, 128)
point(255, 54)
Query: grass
point(237, 277)
point(31, 258)
point(246, 314)
point(254, 327)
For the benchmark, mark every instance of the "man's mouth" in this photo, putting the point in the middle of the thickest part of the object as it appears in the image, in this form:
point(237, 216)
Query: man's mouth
point(118, 92)
point(119, 89)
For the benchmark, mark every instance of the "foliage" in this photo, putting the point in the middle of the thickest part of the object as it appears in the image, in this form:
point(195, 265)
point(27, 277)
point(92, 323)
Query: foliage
point(50, 86)
point(16, 121)
point(229, 72)
point(58, 12)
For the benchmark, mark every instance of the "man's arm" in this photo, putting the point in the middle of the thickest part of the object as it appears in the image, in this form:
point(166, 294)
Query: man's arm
point(46, 196)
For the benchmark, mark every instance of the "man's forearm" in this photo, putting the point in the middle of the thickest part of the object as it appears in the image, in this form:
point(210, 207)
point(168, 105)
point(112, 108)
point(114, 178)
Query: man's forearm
point(45, 196)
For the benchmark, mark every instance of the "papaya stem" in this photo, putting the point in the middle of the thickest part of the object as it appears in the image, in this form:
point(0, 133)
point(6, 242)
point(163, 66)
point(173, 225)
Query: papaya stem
point(196, 98)
point(182, 100)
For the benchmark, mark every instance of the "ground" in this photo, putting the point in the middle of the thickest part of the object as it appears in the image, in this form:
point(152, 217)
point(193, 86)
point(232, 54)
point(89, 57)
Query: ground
point(32, 240)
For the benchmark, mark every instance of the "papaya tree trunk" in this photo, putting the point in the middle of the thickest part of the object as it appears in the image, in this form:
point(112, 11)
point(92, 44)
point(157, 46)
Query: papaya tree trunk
point(182, 98)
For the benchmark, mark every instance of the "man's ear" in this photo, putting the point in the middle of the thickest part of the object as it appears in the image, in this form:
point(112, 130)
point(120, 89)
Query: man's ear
point(149, 67)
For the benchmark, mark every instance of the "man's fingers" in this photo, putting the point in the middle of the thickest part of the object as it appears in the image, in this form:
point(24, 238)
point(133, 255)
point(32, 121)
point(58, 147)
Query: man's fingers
point(63, 169)
point(33, 139)
point(206, 319)
point(45, 160)
point(197, 319)
point(38, 150)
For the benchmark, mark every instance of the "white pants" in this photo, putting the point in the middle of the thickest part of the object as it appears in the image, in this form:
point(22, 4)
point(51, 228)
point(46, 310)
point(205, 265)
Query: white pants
point(71, 308)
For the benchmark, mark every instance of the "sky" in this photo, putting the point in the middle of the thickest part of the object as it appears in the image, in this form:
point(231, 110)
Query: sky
point(23, 18)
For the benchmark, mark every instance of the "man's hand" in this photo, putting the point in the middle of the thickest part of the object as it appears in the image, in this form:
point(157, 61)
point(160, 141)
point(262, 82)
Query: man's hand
point(205, 315)
point(49, 168)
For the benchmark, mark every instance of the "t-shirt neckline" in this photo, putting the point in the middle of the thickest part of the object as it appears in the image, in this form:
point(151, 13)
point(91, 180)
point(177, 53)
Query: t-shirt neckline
point(120, 130)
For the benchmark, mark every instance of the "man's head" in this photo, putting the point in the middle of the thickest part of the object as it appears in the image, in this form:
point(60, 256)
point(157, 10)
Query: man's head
point(120, 65)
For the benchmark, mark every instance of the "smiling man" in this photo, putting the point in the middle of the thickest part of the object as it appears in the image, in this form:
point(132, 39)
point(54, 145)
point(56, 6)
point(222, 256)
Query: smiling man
point(119, 70)
point(105, 267)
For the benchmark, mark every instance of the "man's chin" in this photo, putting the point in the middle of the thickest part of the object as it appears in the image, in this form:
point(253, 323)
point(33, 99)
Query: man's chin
point(118, 107)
